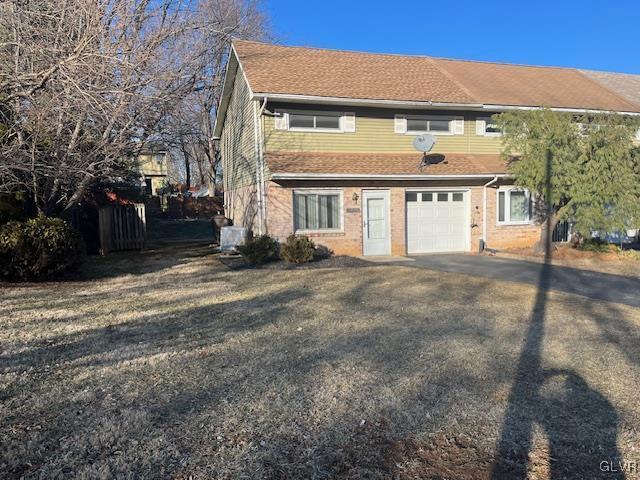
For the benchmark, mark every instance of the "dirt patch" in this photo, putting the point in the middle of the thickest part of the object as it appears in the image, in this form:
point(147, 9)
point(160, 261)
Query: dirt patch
point(441, 457)
point(606, 262)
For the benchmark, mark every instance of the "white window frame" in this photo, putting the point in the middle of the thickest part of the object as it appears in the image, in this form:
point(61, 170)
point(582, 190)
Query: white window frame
point(507, 206)
point(340, 115)
point(318, 191)
point(448, 118)
point(486, 121)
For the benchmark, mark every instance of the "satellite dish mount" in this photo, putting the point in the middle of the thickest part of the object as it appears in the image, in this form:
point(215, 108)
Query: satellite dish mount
point(424, 143)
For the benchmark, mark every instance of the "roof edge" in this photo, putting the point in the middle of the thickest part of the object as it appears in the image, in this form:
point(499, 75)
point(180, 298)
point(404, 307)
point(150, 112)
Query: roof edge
point(233, 62)
point(359, 176)
point(349, 101)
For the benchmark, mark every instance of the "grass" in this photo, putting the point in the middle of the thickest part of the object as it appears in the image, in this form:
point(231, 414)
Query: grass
point(167, 364)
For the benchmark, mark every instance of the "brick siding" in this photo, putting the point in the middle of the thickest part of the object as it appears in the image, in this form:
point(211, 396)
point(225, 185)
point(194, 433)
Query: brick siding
point(349, 241)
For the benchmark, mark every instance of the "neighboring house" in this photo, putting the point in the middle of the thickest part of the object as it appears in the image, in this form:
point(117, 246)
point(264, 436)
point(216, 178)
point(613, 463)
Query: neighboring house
point(152, 165)
point(319, 142)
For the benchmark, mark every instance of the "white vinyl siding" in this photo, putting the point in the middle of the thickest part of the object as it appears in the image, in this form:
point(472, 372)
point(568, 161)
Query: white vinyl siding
point(514, 206)
point(317, 210)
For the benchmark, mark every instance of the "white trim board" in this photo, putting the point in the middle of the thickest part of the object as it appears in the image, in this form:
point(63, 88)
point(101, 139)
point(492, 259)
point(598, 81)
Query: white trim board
point(409, 104)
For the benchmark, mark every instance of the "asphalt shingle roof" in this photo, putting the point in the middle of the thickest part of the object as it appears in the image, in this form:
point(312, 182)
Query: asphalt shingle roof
point(335, 73)
point(383, 163)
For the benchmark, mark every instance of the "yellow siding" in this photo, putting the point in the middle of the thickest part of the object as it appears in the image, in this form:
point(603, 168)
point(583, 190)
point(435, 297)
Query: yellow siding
point(147, 165)
point(375, 133)
point(237, 141)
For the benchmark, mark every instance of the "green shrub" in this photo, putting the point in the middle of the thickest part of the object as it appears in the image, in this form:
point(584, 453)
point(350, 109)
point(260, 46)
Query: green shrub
point(38, 248)
point(596, 245)
point(259, 250)
point(297, 249)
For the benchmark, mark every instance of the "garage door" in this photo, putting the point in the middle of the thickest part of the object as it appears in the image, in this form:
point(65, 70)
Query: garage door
point(437, 221)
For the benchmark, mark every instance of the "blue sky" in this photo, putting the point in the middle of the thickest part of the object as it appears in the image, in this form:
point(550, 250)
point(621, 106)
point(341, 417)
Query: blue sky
point(601, 35)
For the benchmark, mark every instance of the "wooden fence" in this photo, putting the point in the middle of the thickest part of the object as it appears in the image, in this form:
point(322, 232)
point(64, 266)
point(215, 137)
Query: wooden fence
point(122, 227)
point(199, 207)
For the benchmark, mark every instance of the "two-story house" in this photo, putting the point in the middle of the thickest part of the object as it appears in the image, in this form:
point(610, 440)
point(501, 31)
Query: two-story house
point(320, 142)
point(152, 166)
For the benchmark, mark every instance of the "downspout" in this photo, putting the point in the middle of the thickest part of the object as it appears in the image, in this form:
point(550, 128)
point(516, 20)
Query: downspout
point(257, 130)
point(484, 210)
point(263, 198)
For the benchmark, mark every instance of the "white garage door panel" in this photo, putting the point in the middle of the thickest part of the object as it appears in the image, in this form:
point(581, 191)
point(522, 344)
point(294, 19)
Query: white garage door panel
point(437, 226)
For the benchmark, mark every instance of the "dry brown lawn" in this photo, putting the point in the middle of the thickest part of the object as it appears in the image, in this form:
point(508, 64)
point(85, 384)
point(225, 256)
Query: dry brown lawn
point(170, 365)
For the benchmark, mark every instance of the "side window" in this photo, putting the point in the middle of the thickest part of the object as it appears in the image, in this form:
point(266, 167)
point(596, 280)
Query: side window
point(514, 206)
point(487, 126)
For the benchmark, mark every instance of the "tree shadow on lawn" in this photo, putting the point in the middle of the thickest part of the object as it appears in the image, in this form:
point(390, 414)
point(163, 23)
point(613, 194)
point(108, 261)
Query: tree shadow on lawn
point(150, 260)
point(297, 368)
point(263, 393)
point(580, 423)
point(153, 333)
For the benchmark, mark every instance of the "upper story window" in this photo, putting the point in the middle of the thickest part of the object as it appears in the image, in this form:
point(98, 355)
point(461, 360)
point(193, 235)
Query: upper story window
point(487, 126)
point(307, 121)
point(437, 125)
point(159, 158)
point(514, 206)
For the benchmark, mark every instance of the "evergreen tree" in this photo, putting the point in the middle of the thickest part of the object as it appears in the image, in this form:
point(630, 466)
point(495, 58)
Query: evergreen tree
point(585, 169)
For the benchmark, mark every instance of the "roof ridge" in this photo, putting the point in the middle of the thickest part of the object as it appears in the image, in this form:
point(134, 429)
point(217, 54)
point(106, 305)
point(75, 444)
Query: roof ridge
point(430, 57)
point(609, 72)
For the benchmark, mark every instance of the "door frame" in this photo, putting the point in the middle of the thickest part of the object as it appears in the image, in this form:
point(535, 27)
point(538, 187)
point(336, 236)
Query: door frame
point(387, 194)
point(467, 192)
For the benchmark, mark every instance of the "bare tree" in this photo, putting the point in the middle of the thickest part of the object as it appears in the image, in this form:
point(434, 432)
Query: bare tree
point(216, 23)
point(83, 83)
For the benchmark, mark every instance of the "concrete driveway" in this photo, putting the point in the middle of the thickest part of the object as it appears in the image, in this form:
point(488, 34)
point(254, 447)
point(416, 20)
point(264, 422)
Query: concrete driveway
point(595, 285)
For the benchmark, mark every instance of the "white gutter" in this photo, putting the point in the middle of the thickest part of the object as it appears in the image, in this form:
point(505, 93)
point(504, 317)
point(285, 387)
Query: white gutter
point(506, 108)
point(358, 176)
point(293, 98)
point(484, 209)
point(285, 97)
point(261, 163)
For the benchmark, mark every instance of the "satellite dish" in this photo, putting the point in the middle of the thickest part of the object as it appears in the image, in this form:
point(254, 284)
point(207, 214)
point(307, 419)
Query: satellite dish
point(424, 143)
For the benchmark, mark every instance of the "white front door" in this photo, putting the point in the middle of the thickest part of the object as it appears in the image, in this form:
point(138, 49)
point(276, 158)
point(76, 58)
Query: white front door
point(375, 222)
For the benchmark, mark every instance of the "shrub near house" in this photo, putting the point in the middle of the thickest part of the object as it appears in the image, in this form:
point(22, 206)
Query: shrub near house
point(39, 248)
point(297, 249)
point(259, 250)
